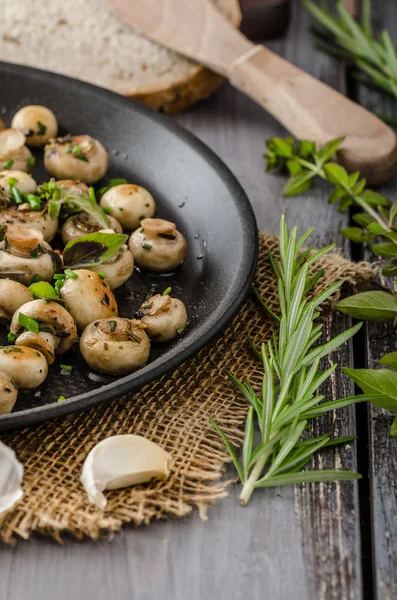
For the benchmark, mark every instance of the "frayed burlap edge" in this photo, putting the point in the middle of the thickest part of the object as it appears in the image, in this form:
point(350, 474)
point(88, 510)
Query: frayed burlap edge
point(173, 411)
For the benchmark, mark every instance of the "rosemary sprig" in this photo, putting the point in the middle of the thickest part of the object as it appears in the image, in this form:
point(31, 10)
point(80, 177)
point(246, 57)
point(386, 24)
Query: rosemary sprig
point(292, 374)
point(343, 37)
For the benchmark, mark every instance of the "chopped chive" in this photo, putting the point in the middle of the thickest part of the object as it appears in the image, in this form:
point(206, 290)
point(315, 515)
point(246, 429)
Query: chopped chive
point(11, 337)
point(41, 128)
point(71, 274)
point(107, 210)
point(111, 325)
point(12, 181)
point(66, 367)
point(147, 305)
point(181, 329)
point(59, 276)
point(28, 323)
point(61, 398)
point(121, 208)
point(147, 246)
point(17, 195)
point(33, 201)
point(8, 164)
point(58, 285)
point(36, 279)
point(102, 274)
point(91, 193)
point(31, 161)
point(114, 182)
point(167, 291)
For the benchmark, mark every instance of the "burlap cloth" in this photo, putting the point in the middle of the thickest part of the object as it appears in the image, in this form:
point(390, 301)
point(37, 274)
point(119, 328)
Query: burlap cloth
point(173, 411)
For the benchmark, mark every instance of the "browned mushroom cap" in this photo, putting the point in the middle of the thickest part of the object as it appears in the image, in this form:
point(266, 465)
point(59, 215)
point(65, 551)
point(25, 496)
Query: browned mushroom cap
point(12, 148)
point(129, 204)
point(37, 123)
point(164, 317)
point(8, 393)
point(57, 328)
point(82, 224)
point(27, 367)
point(88, 297)
point(115, 346)
point(24, 254)
point(12, 296)
point(157, 245)
point(23, 216)
point(76, 157)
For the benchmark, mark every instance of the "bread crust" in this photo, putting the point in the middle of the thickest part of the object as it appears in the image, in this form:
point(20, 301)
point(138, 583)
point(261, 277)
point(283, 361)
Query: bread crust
point(200, 84)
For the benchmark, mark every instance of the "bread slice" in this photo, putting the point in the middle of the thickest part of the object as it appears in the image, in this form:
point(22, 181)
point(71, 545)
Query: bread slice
point(86, 40)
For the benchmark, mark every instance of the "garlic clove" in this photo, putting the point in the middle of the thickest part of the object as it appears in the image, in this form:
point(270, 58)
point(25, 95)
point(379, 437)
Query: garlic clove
point(120, 461)
point(11, 475)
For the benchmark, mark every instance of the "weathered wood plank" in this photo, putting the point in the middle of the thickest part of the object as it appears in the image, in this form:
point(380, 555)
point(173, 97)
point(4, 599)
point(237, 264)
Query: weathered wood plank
point(301, 543)
point(381, 338)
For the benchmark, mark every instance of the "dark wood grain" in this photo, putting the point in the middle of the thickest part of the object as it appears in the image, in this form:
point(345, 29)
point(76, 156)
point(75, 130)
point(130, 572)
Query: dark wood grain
point(381, 338)
point(302, 544)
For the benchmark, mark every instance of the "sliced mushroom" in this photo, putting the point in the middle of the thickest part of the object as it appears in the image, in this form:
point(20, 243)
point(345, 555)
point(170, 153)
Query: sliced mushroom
point(76, 157)
point(164, 317)
point(129, 204)
point(37, 123)
point(13, 152)
point(116, 346)
point(26, 366)
point(88, 297)
point(12, 296)
point(82, 224)
point(24, 254)
point(23, 216)
point(23, 181)
point(8, 393)
point(158, 246)
point(57, 329)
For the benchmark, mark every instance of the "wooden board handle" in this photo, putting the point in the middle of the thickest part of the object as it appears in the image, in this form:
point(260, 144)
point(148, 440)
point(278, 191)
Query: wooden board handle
point(311, 110)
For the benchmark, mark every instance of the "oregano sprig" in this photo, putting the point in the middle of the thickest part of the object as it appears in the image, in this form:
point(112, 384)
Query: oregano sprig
point(292, 375)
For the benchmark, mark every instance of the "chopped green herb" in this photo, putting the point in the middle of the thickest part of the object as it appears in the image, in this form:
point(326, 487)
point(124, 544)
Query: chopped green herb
point(43, 289)
point(107, 210)
point(37, 252)
point(9, 349)
point(66, 367)
point(112, 183)
point(147, 246)
point(141, 217)
point(91, 193)
point(12, 181)
point(181, 329)
point(78, 153)
point(71, 274)
point(59, 276)
point(147, 305)
point(41, 128)
point(58, 285)
point(17, 195)
point(105, 346)
point(36, 279)
point(167, 291)
point(28, 323)
point(61, 398)
point(69, 150)
point(11, 337)
point(102, 274)
point(33, 201)
point(111, 325)
point(8, 164)
point(31, 161)
point(121, 209)
point(147, 204)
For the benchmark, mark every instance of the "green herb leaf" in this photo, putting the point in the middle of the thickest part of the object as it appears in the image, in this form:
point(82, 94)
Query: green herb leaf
point(393, 428)
point(28, 323)
point(374, 306)
point(379, 382)
point(308, 477)
point(355, 234)
point(92, 249)
point(43, 289)
point(336, 174)
point(389, 360)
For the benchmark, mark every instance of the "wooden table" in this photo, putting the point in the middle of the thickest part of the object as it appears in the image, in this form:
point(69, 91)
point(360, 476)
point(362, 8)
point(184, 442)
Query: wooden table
point(317, 542)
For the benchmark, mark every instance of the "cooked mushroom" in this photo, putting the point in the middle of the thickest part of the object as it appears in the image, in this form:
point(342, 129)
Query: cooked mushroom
point(8, 393)
point(23, 181)
point(26, 218)
point(74, 186)
point(56, 328)
point(88, 297)
point(119, 268)
point(26, 366)
point(37, 123)
point(164, 317)
point(24, 254)
point(12, 296)
point(115, 346)
point(13, 152)
point(157, 245)
point(76, 157)
point(129, 204)
point(2, 125)
point(82, 224)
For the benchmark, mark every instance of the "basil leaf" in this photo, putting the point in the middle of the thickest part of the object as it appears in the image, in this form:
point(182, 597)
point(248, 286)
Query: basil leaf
point(42, 289)
point(377, 381)
point(390, 360)
point(92, 249)
point(372, 306)
point(87, 204)
point(393, 428)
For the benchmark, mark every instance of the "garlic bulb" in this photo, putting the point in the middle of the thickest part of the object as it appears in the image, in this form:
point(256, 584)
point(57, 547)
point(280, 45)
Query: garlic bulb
point(11, 475)
point(120, 461)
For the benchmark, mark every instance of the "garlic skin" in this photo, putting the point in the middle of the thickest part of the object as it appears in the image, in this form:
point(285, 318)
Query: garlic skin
point(11, 475)
point(120, 461)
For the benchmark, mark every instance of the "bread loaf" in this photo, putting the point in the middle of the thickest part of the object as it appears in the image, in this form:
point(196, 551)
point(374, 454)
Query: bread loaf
point(86, 40)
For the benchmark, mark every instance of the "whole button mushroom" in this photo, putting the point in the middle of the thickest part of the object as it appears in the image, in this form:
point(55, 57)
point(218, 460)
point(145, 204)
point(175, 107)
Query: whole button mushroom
point(8, 393)
point(27, 367)
point(24, 254)
point(74, 186)
point(115, 346)
point(164, 317)
point(56, 328)
point(76, 157)
point(12, 296)
point(88, 297)
point(13, 152)
point(23, 181)
point(38, 123)
point(82, 224)
point(129, 204)
point(158, 246)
